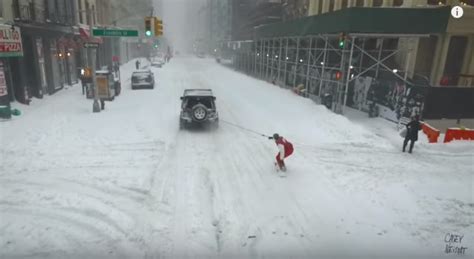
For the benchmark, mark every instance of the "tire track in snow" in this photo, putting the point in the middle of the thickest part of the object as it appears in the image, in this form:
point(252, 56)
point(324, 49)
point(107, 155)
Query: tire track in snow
point(94, 207)
point(249, 158)
point(188, 230)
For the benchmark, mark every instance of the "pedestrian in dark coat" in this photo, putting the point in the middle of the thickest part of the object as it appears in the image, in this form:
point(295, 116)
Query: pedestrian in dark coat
point(412, 133)
point(137, 64)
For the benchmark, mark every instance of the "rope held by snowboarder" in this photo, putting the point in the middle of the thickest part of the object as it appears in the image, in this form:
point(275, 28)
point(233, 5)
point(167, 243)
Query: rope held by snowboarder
point(285, 149)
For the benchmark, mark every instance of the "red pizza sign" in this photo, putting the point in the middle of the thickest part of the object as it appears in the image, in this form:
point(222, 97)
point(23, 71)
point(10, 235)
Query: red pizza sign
point(10, 47)
point(10, 41)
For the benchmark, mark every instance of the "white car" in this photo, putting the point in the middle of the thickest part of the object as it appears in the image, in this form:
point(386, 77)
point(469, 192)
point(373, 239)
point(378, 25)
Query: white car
point(157, 61)
point(143, 79)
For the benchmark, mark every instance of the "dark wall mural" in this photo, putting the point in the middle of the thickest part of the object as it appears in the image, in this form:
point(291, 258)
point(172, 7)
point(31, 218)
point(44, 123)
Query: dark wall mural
point(393, 98)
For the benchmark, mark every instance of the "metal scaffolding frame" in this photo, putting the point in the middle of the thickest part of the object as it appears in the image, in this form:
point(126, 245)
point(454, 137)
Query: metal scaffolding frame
point(313, 61)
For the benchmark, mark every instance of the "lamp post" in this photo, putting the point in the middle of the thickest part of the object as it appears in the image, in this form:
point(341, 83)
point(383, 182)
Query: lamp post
point(92, 54)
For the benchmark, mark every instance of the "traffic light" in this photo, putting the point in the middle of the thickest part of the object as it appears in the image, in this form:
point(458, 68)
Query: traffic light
point(342, 40)
point(148, 24)
point(338, 75)
point(158, 27)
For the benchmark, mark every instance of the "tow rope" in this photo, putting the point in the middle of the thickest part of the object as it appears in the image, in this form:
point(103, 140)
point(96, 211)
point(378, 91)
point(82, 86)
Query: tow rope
point(246, 129)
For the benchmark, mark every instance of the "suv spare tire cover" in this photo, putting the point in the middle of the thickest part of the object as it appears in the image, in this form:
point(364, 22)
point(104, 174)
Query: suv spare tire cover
point(199, 112)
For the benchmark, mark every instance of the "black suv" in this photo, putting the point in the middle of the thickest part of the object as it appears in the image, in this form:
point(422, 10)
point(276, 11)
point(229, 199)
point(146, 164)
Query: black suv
point(198, 106)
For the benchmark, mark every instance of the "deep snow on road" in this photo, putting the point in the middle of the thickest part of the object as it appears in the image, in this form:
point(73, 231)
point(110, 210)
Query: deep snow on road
point(127, 182)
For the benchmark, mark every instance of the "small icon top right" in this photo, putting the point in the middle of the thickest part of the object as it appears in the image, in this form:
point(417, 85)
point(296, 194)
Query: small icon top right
point(457, 12)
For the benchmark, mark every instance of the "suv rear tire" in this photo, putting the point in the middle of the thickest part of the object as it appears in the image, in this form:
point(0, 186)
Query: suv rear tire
point(199, 112)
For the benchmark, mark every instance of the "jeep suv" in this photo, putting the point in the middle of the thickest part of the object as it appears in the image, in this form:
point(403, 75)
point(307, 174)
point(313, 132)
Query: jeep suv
point(198, 106)
point(143, 79)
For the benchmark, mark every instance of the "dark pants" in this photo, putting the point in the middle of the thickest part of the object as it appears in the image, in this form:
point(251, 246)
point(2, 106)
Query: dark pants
point(412, 143)
point(83, 87)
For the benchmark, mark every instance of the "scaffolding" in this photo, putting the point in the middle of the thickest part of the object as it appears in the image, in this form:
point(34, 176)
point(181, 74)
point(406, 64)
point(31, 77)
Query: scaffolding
point(306, 54)
point(316, 63)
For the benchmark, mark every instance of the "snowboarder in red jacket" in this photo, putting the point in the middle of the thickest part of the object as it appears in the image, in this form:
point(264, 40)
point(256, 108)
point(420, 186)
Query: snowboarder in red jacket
point(285, 149)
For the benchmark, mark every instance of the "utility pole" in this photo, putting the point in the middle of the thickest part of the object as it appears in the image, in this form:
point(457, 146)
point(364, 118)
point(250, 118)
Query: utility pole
point(92, 53)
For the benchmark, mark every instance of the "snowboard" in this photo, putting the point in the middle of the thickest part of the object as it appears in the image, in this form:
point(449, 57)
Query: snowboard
point(281, 172)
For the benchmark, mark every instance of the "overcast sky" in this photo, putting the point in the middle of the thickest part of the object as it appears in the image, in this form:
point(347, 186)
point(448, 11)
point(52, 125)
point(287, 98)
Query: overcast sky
point(181, 21)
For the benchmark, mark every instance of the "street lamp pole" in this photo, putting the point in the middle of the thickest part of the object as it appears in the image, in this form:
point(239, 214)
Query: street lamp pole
point(92, 54)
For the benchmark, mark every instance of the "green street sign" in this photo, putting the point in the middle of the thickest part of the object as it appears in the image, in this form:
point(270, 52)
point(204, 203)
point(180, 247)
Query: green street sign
point(114, 33)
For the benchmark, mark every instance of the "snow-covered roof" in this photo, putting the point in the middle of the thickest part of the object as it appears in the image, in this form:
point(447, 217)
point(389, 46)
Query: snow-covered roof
point(142, 71)
point(198, 92)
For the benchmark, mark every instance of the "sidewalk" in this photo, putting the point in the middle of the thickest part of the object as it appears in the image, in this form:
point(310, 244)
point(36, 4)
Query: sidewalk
point(388, 130)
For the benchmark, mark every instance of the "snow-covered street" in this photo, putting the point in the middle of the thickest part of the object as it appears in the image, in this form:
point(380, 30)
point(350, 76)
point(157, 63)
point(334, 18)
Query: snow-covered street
point(126, 182)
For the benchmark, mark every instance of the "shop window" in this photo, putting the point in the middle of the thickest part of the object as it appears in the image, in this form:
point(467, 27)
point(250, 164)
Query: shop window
point(331, 6)
point(320, 6)
point(359, 3)
point(455, 57)
point(425, 56)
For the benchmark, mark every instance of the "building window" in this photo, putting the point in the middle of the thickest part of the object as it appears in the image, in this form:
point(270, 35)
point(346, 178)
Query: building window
point(86, 12)
point(1, 8)
point(397, 2)
point(331, 6)
point(79, 3)
point(436, 2)
point(344, 4)
point(320, 6)
point(455, 58)
point(377, 3)
point(359, 3)
point(93, 15)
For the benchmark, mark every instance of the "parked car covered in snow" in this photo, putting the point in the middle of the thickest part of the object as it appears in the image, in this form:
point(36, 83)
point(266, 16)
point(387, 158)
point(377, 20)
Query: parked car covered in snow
point(198, 106)
point(143, 79)
point(157, 62)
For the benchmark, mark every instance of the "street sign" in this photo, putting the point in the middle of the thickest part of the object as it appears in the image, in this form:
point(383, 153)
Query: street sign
point(92, 45)
point(115, 32)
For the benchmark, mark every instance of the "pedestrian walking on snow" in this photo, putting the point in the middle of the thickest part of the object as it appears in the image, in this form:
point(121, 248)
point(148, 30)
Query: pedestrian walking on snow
point(137, 64)
point(285, 149)
point(412, 133)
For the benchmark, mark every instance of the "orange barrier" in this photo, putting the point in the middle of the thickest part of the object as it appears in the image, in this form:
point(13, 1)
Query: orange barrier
point(458, 134)
point(431, 132)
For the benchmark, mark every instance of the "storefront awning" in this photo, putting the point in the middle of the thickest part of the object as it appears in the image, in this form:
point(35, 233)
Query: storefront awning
point(85, 34)
point(363, 20)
